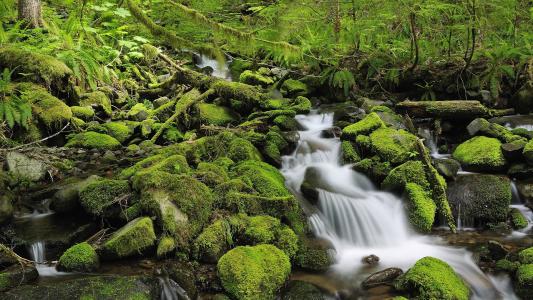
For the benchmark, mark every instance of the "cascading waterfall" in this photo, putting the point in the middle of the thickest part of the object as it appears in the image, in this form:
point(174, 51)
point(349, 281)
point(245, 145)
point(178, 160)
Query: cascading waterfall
point(37, 252)
point(170, 290)
point(360, 220)
point(526, 211)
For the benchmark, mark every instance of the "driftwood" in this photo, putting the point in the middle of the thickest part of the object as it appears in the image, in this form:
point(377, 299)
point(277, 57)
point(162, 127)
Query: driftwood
point(462, 109)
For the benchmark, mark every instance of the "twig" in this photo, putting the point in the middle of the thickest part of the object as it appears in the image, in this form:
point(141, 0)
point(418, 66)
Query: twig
point(39, 141)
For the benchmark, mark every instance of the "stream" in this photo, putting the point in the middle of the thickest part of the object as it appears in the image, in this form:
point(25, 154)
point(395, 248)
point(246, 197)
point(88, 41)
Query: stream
point(360, 220)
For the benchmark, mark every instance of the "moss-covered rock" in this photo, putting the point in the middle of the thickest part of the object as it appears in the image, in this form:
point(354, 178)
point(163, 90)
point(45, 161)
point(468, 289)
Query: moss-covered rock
point(480, 154)
point(213, 242)
point(518, 220)
point(481, 126)
point(364, 127)
point(484, 199)
point(84, 113)
point(506, 265)
point(314, 255)
point(99, 197)
point(267, 180)
point(528, 152)
point(431, 278)
point(97, 100)
point(79, 258)
point(408, 172)
point(241, 97)
point(166, 245)
point(256, 272)
point(216, 115)
point(524, 281)
point(174, 164)
point(211, 174)
point(139, 112)
point(421, 207)
point(49, 110)
point(36, 67)
point(119, 130)
point(16, 275)
point(254, 78)
point(292, 88)
point(241, 149)
point(132, 239)
point(394, 146)
point(211, 148)
point(93, 140)
point(274, 145)
point(349, 154)
point(526, 256)
point(269, 230)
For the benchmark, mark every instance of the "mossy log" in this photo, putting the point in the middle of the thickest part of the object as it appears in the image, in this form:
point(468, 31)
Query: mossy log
point(462, 109)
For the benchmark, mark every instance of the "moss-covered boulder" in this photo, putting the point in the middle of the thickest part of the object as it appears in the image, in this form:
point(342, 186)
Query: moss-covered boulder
point(364, 127)
point(254, 78)
point(431, 278)
point(98, 101)
point(524, 281)
point(139, 112)
point(36, 67)
point(121, 131)
point(526, 256)
point(409, 172)
point(211, 174)
point(528, 152)
point(93, 140)
point(16, 275)
point(165, 246)
point(85, 113)
point(481, 126)
point(314, 255)
point(421, 207)
point(267, 180)
point(130, 240)
point(256, 272)
point(293, 88)
point(211, 148)
point(484, 199)
point(480, 154)
point(79, 258)
point(213, 114)
point(518, 220)
point(394, 146)
point(99, 198)
point(24, 167)
point(48, 110)
point(213, 242)
point(349, 153)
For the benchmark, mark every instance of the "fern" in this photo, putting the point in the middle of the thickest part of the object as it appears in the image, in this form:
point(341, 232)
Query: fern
point(15, 111)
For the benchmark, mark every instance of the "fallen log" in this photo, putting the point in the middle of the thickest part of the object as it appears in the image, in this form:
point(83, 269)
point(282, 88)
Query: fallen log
point(462, 109)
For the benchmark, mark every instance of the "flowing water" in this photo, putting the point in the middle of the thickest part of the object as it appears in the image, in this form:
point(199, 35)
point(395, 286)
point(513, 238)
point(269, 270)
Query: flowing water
point(170, 290)
point(219, 66)
point(360, 220)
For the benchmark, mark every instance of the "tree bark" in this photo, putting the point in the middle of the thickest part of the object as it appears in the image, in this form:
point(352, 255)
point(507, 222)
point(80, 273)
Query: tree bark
point(30, 12)
point(454, 109)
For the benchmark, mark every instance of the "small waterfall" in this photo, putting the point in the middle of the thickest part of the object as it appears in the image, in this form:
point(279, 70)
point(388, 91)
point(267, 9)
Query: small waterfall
point(430, 141)
point(528, 214)
point(516, 195)
point(37, 252)
point(170, 290)
point(360, 220)
point(219, 66)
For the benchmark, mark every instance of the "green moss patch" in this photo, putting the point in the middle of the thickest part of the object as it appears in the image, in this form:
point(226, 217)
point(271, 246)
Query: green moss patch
point(524, 278)
point(526, 256)
point(97, 197)
point(93, 140)
point(80, 257)
point(421, 207)
point(394, 146)
point(292, 88)
point(216, 115)
point(49, 110)
point(431, 278)
point(364, 127)
point(518, 220)
point(480, 154)
point(130, 240)
point(254, 78)
point(256, 272)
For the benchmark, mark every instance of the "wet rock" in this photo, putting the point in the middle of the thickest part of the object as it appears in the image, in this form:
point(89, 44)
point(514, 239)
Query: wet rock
point(16, 275)
point(296, 290)
point(332, 132)
point(161, 101)
point(130, 240)
point(95, 287)
point(66, 199)
point(183, 273)
point(367, 104)
point(25, 167)
point(370, 260)
point(520, 171)
point(447, 167)
point(513, 151)
point(314, 255)
point(496, 250)
point(525, 190)
point(482, 199)
point(386, 276)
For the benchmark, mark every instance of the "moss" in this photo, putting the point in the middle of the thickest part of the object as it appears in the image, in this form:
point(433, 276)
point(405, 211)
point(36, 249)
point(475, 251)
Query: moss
point(82, 112)
point(481, 126)
point(266, 179)
point(286, 123)
point(394, 146)
point(272, 114)
point(166, 245)
point(526, 256)
point(301, 105)
point(132, 239)
point(97, 100)
point(49, 110)
point(80, 257)
point(40, 68)
point(292, 88)
point(174, 164)
point(363, 142)
point(237, 66)
point(507, 265)
point(245, 97)
point(93, 140)
point(480, 154)
point(216, 115)
point(313, 255)
point(421, 207)
point(256, 272)
point(349, 154)
point(528, 152)
point(253, 78)
point(518, 220)
point(524, 278)
point(262, 229)
point(119, 130)
point(211, 174)
point(364, 127)
point(274, 144)
point(235, 185)
point(138, 112)
point(99, 195)
point(410, 171)
point(287, 241)
point(213, 242)
point(431, 278)
point(241, 149)
point(145, 163)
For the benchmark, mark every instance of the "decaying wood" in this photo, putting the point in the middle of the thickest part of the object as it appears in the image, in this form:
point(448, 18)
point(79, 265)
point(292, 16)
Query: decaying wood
point(462, 109)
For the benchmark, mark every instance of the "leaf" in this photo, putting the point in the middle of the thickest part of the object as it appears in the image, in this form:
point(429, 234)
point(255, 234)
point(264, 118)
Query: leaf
point(122, 12)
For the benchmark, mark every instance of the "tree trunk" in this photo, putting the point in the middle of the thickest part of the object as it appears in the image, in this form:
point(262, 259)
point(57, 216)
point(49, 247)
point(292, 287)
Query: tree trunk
point(30, 12)
point(451, 109)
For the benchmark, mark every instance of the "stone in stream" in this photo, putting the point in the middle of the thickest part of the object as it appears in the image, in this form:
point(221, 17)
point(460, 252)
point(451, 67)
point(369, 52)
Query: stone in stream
point(16, 275)
point(525, 190)
point(482, 198)
point(132, 239)
point(447, 167)
point(497, 251)
point(25, 167)
point(297, 289)
point(386, 276)
point(481, 154)
point(66, 199)
point(513, 151)
point(184, 274)
point(79, 258)
point(370, 260)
